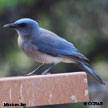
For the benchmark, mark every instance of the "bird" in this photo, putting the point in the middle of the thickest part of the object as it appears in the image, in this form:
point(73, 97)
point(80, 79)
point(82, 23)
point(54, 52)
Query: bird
point(46, 47)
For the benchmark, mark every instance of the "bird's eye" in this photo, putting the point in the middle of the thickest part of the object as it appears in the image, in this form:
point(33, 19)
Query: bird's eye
point(22, 24)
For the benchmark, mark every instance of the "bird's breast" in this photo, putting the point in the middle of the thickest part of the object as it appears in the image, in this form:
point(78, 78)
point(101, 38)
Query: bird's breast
point(27, 47)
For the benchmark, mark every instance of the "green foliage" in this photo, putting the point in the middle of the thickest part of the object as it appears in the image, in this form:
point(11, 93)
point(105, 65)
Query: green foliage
point(44, 21)
point(13, 3)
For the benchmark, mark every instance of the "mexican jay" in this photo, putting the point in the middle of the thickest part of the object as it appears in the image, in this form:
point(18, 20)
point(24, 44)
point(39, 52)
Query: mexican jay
point(46, 47)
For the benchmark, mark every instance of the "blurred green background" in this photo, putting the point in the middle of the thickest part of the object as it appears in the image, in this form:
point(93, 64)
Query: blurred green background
point(82, 22)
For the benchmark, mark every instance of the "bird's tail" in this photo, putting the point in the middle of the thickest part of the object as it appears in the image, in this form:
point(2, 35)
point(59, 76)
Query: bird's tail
point(91, 72)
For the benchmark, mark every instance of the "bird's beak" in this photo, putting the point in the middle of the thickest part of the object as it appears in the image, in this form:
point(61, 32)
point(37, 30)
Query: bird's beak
point(12, 25)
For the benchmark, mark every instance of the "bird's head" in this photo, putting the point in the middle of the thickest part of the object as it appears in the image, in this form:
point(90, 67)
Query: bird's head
point(25, 27)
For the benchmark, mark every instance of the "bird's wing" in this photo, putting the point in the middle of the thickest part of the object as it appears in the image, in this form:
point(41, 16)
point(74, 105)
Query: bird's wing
point(54, 45)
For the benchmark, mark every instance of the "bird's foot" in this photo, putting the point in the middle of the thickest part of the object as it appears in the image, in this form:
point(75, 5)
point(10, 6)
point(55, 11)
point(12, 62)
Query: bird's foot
point(45, 73)
point(29, 74)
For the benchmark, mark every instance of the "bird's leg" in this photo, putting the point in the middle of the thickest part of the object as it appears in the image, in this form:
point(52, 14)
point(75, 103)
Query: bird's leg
point(34, 71)
point(49, 68)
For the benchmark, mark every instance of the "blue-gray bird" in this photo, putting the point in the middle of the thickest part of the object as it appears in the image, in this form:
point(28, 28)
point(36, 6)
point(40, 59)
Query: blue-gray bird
point(48, 48)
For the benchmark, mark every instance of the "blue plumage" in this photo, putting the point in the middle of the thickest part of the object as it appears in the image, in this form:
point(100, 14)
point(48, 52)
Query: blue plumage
point(46, 47)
